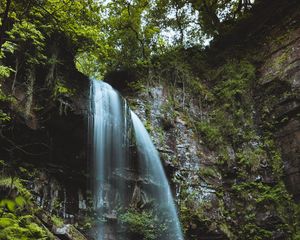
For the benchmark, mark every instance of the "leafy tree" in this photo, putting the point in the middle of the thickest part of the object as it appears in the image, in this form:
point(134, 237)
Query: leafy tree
point(27, 29)
point(113, 34)
point(215, 16)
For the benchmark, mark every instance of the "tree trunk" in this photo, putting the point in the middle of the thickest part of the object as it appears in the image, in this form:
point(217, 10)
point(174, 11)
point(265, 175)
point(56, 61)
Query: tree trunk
point(29, 93)
point(13, 86)
point(215, 21)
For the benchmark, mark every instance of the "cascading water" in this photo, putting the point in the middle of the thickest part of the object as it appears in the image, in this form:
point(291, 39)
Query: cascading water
point(110, 145)
point(127, 171)
point(150, 157)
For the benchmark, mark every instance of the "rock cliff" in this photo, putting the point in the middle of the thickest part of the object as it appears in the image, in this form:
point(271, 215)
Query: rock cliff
point(232, 157)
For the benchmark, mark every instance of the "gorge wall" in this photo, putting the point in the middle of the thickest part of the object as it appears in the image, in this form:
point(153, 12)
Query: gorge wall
point(279, 94)
point(225, 121)
point(187, 109)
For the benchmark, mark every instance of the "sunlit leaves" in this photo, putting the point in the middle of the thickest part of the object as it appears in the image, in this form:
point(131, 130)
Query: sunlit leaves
point(78, 19)
point(4, 71)
point(62, 90)
point(90, 65)
point(18, 203)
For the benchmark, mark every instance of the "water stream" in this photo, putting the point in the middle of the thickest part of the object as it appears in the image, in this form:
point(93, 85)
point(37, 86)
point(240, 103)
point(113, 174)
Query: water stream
point(127, 170)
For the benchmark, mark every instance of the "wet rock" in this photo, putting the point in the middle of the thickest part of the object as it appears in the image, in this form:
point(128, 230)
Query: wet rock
point(180, 121)
point(68, 232)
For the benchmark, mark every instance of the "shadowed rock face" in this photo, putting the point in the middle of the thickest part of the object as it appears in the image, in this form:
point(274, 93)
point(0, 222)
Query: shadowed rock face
point(49, 142)
point(280, 89)
point(289, 140)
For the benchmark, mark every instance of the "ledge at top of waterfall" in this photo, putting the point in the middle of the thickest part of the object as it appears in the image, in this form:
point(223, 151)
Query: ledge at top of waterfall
point(127, 171)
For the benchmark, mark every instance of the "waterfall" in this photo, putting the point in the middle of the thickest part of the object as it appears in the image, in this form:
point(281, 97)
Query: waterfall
point(150, 157)
point(126, 169)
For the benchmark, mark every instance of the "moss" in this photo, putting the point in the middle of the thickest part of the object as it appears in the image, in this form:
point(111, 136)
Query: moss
point(25, 220)
point(36, 231)
point(197, 87)
point(137, 86)
point(230, 119)
point(75, 234)
point(279, 41)
point(14, 232)
point(243, 190)
point(226, 230)
point(207, 172)
point(18, 226)
point(281, 60)
point(57, 221)
point(210, 133)
point(141, 224)
point(148, 125)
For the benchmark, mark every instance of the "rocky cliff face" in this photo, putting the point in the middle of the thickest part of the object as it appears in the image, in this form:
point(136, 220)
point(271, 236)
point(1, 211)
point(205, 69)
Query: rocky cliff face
point(172, 113)
point(182, 151)
point(226, 178)
point(279, 88)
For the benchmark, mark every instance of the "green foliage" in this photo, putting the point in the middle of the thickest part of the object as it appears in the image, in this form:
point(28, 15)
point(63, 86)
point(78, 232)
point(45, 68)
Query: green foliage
point(253, 197)
point(16, 216)
point(197, 87)
point(62, 90)
point(231, 118)
point(5, 71)
point(234, 80)
point(192, 210)
point(17, 184)
point(238, 176)
point(4, 117)
point(13, 227)
point(137, 86)
point(109, 35)
point(33, 25)
point(12, 205)
point(88, 63)
point(29, 36)
point(212, 134)
point(135, 31)
point(141, 224)
point(58, 222)
point(217, 17)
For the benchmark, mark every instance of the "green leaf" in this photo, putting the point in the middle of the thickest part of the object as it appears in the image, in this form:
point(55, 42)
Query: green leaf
point(20, 201)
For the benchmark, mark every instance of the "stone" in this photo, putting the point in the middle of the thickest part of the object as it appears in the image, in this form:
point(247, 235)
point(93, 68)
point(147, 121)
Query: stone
point(69, 232)
point(280, 79)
